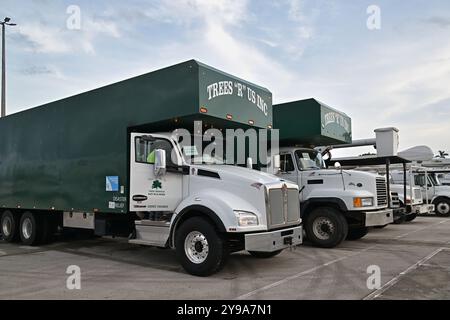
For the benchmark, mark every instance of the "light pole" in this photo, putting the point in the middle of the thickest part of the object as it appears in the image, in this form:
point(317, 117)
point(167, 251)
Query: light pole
point(4, 23)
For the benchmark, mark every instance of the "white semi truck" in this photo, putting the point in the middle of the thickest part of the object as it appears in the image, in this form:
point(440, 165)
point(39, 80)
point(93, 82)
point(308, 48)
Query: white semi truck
point(110, 161)
point(336, 204)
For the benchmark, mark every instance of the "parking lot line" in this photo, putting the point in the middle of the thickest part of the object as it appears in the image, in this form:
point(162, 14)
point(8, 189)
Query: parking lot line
point(421, 229)
point(397, 278)
point(301, 274)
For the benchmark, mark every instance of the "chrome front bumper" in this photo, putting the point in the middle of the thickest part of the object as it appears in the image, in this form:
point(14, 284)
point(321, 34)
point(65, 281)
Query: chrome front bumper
point(274, 240)
point(423, 208)
point(379, 218)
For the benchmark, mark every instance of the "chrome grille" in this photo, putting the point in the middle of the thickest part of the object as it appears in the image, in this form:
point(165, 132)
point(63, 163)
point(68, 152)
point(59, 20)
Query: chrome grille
point(417, 194)
point(395, 200)
point(283, 207)
point(381, 192)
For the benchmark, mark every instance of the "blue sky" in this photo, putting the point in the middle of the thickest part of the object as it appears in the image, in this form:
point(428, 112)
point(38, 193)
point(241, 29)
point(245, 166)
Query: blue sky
point(396, 76)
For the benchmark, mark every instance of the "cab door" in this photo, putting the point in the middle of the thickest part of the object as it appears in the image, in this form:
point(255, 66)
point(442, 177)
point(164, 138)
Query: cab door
point(149, 192)
point(288, 170)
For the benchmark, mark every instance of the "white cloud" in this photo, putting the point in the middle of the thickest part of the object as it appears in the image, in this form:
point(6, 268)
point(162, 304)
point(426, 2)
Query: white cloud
point(44, 38)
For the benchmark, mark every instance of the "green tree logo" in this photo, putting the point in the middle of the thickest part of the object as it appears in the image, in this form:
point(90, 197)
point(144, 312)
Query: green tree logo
point(157, 184)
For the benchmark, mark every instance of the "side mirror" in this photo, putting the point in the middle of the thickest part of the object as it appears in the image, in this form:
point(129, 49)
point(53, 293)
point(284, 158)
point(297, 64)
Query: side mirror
point(337, 165)
point(160, 162)
point(276, 160)
point(249, 163)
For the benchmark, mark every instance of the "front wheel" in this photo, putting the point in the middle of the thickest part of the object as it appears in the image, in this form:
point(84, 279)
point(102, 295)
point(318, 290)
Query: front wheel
point(443, 208)
point(200, 248)
point(326, 227)
point(357, 233)
point(265, 255)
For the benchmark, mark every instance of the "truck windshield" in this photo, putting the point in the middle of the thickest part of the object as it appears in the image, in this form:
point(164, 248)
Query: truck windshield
point(434, 179)
point(309, 160)
point(208, 155)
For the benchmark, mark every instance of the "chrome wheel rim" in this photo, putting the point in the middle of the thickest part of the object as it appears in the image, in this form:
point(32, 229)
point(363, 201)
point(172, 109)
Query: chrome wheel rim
point(323, 228)
point(196, 247)
point(7, 226)
point(27, 228)
point(443, 208)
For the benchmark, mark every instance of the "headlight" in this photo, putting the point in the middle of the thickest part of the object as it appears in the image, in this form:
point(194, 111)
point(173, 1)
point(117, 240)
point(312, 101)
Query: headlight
point(246, 219)
point(362, 202)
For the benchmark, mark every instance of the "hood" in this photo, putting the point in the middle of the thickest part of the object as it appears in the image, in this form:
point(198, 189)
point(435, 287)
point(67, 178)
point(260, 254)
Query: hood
point(348, 173)
point(231, 171)
point(442, 190)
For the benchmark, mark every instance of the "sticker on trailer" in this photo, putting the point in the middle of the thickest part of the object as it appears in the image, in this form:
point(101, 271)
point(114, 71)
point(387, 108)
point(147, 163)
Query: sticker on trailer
point(112, 183)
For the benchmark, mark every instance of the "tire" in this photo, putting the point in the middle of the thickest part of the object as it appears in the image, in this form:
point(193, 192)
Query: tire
point(200, 249)
point(9, 226)
point(442, 208)
point(411, 217)
point(265, 255)
point(357, 233)
point(30, 229)
point(326, 227)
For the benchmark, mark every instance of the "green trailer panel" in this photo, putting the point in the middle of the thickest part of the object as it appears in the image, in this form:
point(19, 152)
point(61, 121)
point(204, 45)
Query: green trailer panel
point(59, 155)
point(311, 122)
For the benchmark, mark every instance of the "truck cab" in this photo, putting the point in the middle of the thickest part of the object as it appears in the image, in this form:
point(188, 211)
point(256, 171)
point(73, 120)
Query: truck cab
point(433, 192)
point(414, 202)
point(336, 204)
point(204, 208)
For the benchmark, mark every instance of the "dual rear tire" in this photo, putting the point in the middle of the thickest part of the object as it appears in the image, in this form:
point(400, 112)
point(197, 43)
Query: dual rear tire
point(30, 228)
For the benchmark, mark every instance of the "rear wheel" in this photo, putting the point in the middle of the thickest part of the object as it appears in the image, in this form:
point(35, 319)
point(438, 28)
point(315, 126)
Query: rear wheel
point(357, 233)
point(443, 208)
point(265, 255)
point(10, 226)
point(30, 229)
point(326, 227)
point(200, 248)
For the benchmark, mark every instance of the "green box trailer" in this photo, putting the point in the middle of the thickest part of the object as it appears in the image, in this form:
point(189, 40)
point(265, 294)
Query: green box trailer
point(58, 156)
point(311, 122)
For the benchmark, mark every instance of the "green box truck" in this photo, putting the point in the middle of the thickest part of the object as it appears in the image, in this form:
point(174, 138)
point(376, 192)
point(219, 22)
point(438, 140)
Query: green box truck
point(109, 160)
point(336, 204)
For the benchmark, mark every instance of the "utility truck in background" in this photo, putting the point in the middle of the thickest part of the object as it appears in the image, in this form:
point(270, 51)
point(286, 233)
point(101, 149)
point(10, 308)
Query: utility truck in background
point(397, 167)
point(433, 191)
point(109, 161)
point(336, 204)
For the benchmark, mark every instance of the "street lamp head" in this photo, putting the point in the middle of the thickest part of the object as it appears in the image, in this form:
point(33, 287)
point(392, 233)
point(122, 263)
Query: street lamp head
point(7, 19)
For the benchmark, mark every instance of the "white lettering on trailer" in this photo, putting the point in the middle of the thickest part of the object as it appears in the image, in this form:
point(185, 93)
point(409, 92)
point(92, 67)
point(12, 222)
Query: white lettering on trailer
point(224, 88)
point(334, 117)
